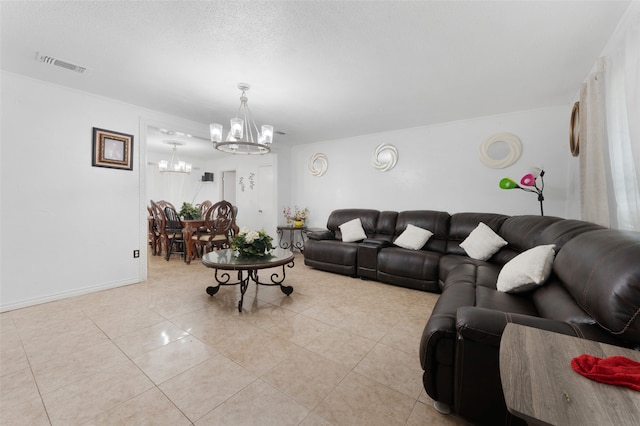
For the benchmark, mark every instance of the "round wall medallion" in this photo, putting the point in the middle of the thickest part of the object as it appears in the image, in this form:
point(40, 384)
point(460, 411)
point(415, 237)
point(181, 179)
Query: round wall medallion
point(385, 157)
point(500, 150)
point(574, 130)
point(318, 164)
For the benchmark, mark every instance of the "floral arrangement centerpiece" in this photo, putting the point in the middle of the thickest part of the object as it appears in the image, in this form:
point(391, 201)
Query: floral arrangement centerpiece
point(297, 218)
point(252, 243)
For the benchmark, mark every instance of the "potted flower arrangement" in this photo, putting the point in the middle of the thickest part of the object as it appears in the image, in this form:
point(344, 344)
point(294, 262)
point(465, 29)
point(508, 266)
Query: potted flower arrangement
point(252, 243)
point(297, 218)
point(189, 212)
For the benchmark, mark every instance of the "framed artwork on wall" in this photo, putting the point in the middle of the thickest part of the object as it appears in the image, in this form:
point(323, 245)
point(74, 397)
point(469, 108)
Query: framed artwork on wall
point(112, 149)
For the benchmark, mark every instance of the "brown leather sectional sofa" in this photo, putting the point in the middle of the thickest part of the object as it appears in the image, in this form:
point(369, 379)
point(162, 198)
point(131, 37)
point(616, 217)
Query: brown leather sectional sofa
point(592, 293)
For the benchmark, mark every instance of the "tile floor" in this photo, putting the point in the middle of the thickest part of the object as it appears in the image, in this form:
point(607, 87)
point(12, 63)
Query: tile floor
point(338, 351)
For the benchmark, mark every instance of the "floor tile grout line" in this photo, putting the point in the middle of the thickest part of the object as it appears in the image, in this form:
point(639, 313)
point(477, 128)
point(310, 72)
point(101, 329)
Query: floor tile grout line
point(33, 376)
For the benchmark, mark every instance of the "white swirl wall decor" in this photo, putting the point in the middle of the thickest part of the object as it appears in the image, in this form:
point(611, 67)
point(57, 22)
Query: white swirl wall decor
point(513, 144)
point(318, 164)
point(385, 157)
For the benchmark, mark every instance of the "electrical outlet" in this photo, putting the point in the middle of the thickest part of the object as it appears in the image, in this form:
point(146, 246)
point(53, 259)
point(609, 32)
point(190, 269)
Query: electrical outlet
point(136, 254)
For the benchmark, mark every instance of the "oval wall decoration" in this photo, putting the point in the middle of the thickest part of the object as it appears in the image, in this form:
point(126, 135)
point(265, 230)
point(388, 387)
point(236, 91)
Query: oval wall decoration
point(574, 130)
point(513, 145)
point(318, 164)
point(385, 157)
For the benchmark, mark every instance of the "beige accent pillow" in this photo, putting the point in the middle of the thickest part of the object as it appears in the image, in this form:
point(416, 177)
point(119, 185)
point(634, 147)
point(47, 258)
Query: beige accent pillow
point(482, 242)
point(413, 238)
point(527, 270)
point(352, 231)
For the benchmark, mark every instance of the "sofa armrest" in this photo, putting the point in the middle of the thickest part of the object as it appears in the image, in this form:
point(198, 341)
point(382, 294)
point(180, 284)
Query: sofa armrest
point(321, 235)
point(486, 326)
point(377, 243)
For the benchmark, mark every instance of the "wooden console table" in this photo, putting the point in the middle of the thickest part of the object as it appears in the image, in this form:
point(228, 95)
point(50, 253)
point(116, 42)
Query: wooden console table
point(540, 386)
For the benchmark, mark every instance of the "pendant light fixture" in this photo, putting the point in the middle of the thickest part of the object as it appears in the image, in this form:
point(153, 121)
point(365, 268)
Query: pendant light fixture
point(243, 136)
point(175, 165)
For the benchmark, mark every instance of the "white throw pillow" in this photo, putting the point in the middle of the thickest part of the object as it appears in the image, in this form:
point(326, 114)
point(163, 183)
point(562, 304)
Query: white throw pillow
point(352, 231)
point(413, 238)
point(482, 243)
point(527, 270)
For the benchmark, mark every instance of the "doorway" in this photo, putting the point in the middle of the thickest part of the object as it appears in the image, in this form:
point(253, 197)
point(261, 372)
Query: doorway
point(229, 186)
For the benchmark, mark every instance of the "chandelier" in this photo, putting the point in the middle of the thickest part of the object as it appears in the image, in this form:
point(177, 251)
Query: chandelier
point(174, 165)
point(243, 137)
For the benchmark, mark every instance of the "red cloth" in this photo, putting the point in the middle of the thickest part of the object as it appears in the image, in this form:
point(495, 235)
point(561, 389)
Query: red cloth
point(613, 370)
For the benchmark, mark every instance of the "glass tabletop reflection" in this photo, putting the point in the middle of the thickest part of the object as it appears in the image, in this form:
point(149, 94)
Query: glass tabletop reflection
point(230, 259)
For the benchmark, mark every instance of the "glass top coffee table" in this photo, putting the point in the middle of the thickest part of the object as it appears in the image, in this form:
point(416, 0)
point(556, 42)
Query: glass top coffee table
point(247, 269)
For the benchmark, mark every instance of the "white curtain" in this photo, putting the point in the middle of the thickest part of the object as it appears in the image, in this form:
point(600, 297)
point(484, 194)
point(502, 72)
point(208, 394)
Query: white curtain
point(610, 133)
point(594, 190)
point(623, 127)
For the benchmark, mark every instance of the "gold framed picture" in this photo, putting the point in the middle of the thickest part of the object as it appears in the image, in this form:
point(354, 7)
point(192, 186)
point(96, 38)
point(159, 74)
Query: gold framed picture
point(112, 149)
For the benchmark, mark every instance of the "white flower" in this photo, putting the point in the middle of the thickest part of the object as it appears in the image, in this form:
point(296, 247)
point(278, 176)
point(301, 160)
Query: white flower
point(243, 230)
point(251, 237)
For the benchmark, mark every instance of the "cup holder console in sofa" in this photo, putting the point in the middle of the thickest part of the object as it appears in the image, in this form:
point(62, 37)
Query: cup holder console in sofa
point(593, 291)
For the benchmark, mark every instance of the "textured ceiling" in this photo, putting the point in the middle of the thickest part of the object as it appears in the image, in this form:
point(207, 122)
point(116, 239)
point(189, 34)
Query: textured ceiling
point(319, 70)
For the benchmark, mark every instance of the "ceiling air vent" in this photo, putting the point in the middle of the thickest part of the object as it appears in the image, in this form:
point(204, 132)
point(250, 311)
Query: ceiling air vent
point(60, 63)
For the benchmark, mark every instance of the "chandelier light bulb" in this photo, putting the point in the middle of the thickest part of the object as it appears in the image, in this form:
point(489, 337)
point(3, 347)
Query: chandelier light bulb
point(237, 125)
point(215, 130)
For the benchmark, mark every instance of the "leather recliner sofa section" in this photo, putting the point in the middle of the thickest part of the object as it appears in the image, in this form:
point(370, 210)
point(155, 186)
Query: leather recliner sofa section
point(592, 293)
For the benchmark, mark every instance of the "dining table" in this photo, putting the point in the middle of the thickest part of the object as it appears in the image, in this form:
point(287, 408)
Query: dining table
point(190, 229)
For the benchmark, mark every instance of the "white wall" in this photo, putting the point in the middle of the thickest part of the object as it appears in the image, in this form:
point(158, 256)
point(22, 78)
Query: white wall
point(246, 193)
point(438, 168)
point(67, 228)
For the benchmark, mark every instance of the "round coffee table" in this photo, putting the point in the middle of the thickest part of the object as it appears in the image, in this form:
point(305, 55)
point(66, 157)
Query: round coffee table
point(229, 260)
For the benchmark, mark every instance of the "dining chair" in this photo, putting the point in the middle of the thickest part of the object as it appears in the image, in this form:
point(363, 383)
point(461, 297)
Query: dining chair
point(173, 231)
point(219, 220)
point(204, 206)
point(165, 203)
point(159, 222)
point(152, 230)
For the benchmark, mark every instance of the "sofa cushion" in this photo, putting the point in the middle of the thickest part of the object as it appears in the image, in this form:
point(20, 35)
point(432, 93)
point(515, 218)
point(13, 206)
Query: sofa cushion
point(352, 231)
point(461, 225)
point(413, 238)
point(368, 217)
point(482, 242)
point(554, 302)
point(409, 268)
point(434, 221)
point(527, 270)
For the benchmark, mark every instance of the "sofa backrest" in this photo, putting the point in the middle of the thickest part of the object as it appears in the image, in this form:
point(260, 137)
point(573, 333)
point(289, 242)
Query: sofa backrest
point(461, 225)
point(368, 217)
point(434, 221)
point(521, 233)
point(386, 227)
point(601, 270)
point(562, 231)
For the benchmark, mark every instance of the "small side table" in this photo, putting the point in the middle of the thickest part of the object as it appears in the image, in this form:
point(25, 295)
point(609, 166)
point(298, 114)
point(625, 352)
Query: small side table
point(540, 386)
point(292, 243)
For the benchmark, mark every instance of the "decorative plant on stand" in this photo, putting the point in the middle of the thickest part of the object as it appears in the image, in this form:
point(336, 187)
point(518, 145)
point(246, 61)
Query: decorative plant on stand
point(252, 243)
point(529, 183)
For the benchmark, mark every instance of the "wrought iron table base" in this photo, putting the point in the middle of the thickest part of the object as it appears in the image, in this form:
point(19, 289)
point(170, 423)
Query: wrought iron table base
point(223, 278)
point(292, 243)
